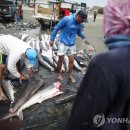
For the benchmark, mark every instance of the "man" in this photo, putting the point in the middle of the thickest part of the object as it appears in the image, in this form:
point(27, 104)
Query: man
point(13, 48)
point(20, 13)
point(94, 16)
point(103, 99)
point(17, 17)
point(69, 27)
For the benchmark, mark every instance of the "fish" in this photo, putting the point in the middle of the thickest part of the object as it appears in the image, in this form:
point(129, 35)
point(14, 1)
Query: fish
point(42, 95)
point(32, 43)
point(42, 47)
point(48, 57)
point(41, 37)
point(42, 43)
point(37, 46)
point(44, 63)
point(76, 66)
point(27, 39)
point(79, 61)
point(33, 85)
point(8, 89)
point(89, 56)
point(68, 98)
point(47, 38)
point(82, 54)
point(24, 37)
point(49, 60)
point(19, 37)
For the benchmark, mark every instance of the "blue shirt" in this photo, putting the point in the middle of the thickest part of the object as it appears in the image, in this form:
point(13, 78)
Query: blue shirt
point(69, 28)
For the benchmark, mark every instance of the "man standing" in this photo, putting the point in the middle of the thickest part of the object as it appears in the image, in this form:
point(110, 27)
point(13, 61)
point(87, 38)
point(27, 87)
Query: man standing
point(69, 26)
point(20, 13)
point(14, 49)
point(94, 16)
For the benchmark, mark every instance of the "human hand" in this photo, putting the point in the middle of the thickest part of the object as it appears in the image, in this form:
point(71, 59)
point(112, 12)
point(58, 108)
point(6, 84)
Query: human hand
point(50, 43)
point(86, 42)
point(22, 77)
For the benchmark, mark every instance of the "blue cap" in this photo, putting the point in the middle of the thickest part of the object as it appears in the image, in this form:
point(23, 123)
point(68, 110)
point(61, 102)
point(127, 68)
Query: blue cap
point(31, 55)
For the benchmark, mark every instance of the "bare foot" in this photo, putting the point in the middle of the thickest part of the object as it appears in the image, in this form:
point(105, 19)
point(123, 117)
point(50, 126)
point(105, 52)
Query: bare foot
point(59, 78)
point(71, 79)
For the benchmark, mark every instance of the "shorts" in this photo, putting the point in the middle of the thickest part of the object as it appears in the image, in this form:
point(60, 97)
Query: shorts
point(68, 50)
point(2, 58)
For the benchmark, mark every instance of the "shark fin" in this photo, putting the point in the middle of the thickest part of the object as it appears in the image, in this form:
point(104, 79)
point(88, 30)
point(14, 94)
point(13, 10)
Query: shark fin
point(20, 115)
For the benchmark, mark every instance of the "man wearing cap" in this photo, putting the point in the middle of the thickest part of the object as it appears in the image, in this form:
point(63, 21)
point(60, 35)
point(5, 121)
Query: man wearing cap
point(13, 48)
point(69, 27)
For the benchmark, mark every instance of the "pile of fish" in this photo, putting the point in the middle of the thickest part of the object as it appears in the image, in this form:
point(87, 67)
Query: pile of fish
point(47, 56)
point(6, 25)
point(32, 94)
point(24, 26)
point(31, 25)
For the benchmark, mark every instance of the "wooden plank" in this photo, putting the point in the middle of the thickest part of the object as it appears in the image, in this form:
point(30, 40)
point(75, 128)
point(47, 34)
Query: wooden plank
point(44, 10)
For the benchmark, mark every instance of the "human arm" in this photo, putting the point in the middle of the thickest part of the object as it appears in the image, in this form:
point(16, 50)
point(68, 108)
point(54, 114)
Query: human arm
point(80, 33)
point(89, 46)
point(59, 26)
point(11, 65)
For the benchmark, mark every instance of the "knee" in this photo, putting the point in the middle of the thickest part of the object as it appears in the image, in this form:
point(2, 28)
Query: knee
point(71, 59)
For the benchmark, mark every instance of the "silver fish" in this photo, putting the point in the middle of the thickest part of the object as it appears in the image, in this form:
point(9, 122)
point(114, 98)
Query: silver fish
point(40, 96)
point(37, 46)
point(32, 86)
point(76, 66)
point(8, 89)
point(24, 36)
point(44, 63)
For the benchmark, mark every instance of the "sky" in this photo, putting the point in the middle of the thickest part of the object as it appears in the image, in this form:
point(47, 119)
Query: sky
point(91, 3)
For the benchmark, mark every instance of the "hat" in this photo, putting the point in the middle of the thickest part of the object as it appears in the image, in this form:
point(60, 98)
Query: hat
point(116, 18)
point(83, 15)
point(31, 55)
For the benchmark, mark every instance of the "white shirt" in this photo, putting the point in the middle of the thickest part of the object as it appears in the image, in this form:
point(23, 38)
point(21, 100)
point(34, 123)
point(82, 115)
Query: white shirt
point(14, 49)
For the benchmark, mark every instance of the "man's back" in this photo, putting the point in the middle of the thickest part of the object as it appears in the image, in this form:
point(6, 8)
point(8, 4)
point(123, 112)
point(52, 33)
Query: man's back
point(10, 44)
point(104, 90)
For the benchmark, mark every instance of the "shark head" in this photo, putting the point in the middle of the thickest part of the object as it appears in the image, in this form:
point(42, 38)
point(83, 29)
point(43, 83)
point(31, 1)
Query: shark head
point(57, 85)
